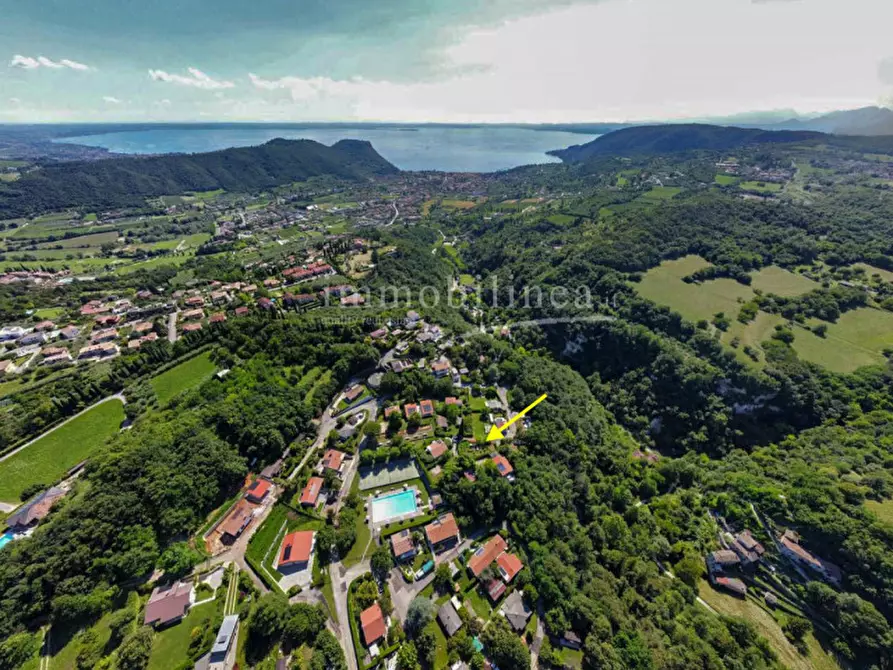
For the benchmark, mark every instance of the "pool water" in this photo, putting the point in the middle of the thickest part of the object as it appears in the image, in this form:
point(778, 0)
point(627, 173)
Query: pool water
point(5, 539)
point(393, 505)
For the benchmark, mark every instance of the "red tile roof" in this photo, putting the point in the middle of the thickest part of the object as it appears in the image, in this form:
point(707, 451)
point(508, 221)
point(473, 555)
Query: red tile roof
point(502, 465)
point(401, 543)
point(372, 622)
point(391, 410)
point(510, 565)
point(437, 448)
point(442, 529)
point(411, 408)
point(259, 489)
point(427, 408)
point(332, 459)
point(310, 494)
point(296, 547)
point(484, 556)
point(453, 401)
point(168, 603)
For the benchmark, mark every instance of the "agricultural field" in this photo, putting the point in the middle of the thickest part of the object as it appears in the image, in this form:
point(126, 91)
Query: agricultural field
point(761, 186)
point(768, 627)
point(182, 377)
point(659, 193)
point(153, 263)
point(457, 204)
point(664, 286)
point(773, 279)
point(561, 219)
point(725, 180)
point(886, 275)
point(49, 458)
point(857, 339)
point(91, 240)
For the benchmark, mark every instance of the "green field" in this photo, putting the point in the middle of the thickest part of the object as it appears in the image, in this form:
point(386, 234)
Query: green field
point(664, 286)
point(92, 240)
point(182, 377)
point(769, 628)
point(48, 459)
point(152, 263)
point(751, 334)
point(773, 279)
point(886, 275)
point(659, 194)
point(725, 179)
point(857, 339)
point(171, 645)
point(884, 510)
point(761, 186)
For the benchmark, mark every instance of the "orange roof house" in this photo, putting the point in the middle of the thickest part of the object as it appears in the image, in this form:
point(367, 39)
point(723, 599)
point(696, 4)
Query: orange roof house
point(310, 494)
point(258, 490)
point(372, 623)
point(442, 530)
point(333, 460)
point(486, 554)
point(509, 565)
point(296, 549)
point(502, 465)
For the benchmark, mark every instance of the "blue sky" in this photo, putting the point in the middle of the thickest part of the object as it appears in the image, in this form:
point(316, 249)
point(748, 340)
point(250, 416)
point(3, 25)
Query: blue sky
point(438, 60)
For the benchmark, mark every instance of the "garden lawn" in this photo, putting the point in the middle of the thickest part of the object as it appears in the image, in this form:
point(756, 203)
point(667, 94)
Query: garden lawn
point(182, 377)
point(171, 644)
point(855, 340)
point(49, 458)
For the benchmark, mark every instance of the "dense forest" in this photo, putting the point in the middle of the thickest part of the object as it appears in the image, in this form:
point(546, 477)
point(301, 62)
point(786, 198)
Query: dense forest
point(124, 182)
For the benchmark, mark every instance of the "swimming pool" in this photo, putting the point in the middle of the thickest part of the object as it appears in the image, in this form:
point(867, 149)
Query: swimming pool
point(393, 505)
point(6, 538)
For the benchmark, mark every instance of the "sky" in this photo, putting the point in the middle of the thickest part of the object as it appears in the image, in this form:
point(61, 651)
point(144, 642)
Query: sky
point(464, 61)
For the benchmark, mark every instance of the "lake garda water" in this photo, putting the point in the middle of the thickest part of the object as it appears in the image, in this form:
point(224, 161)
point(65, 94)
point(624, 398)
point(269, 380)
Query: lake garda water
point(444, 148)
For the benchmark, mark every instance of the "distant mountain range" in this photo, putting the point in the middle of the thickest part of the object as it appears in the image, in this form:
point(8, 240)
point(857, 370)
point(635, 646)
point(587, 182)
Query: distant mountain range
point(122, 182)
point(865, 121)
point(671, 138)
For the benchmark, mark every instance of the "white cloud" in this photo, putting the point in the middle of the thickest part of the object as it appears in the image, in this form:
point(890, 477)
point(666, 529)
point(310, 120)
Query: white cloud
point(112, 100)
point(29, 63)
point(196, 78)
point(15, 101)
point(626, 60)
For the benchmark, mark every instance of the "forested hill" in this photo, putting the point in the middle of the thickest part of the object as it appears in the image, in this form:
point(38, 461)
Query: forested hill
point(677, 137)
point(124, 182)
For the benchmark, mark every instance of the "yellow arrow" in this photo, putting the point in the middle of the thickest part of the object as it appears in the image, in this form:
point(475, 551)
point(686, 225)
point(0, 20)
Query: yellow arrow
point(496, 433)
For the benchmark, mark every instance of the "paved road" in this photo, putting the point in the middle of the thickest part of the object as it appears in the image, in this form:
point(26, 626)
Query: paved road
point(172, 327)
point(396, 214)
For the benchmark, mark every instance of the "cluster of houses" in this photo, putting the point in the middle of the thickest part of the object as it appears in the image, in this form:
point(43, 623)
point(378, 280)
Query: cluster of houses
point(742, 553)
point(243, 512)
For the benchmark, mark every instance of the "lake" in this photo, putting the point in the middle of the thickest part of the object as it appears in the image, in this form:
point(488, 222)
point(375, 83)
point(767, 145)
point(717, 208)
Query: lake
point(444, 148)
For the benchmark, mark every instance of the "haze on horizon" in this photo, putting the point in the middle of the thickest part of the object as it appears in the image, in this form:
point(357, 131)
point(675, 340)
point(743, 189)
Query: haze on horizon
point(439, 61)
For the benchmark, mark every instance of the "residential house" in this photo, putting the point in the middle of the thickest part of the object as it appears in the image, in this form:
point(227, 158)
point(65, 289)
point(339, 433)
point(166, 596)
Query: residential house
point(168, 604)
point(378, 334)
point(399, 366)
point(310, 494)
point(393, 409)
point(372, 624)
point(508, 565)
point(271, 283)
point(106, 335)
point(242, 311)
point(235, 523)
point(70, 332)
point(219, 297)
point(453, 401)
point(44, 326)
point(718, 561)
point(32, 512)
point(354, 300)
point(192, 314)
point(449, 619)
point(353, 393)
point(333, 460)
point(403, 545)
point(62, 358)
point(32, 338)
point(442, 533)
point(192, 327)
point(503, 466)
point(296, 551)
point(11, 333)
point(223, 652)
point(436, 449)
point(258, 490)
point(732, 584)
point(195, 301)
point(441, 422)
point(486, 554)
point(8, 367)
point(411, 408)
point(426, 407)
point(440, 369)
point(265, 303)
point(516, 611)
point(218, 317)
point(141, 327)
point(107, 320)
point(103, 350)
point(748, 549)
point(789, 544)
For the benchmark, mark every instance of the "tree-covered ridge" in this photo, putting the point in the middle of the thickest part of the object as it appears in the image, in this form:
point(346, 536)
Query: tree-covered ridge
point(676, 138)
point(123, 182)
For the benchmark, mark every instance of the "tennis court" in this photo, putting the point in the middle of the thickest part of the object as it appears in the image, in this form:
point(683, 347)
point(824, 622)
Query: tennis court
point(390, 473)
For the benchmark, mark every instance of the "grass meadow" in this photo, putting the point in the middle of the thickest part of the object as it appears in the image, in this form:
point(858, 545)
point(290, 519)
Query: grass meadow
point(182, 377)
